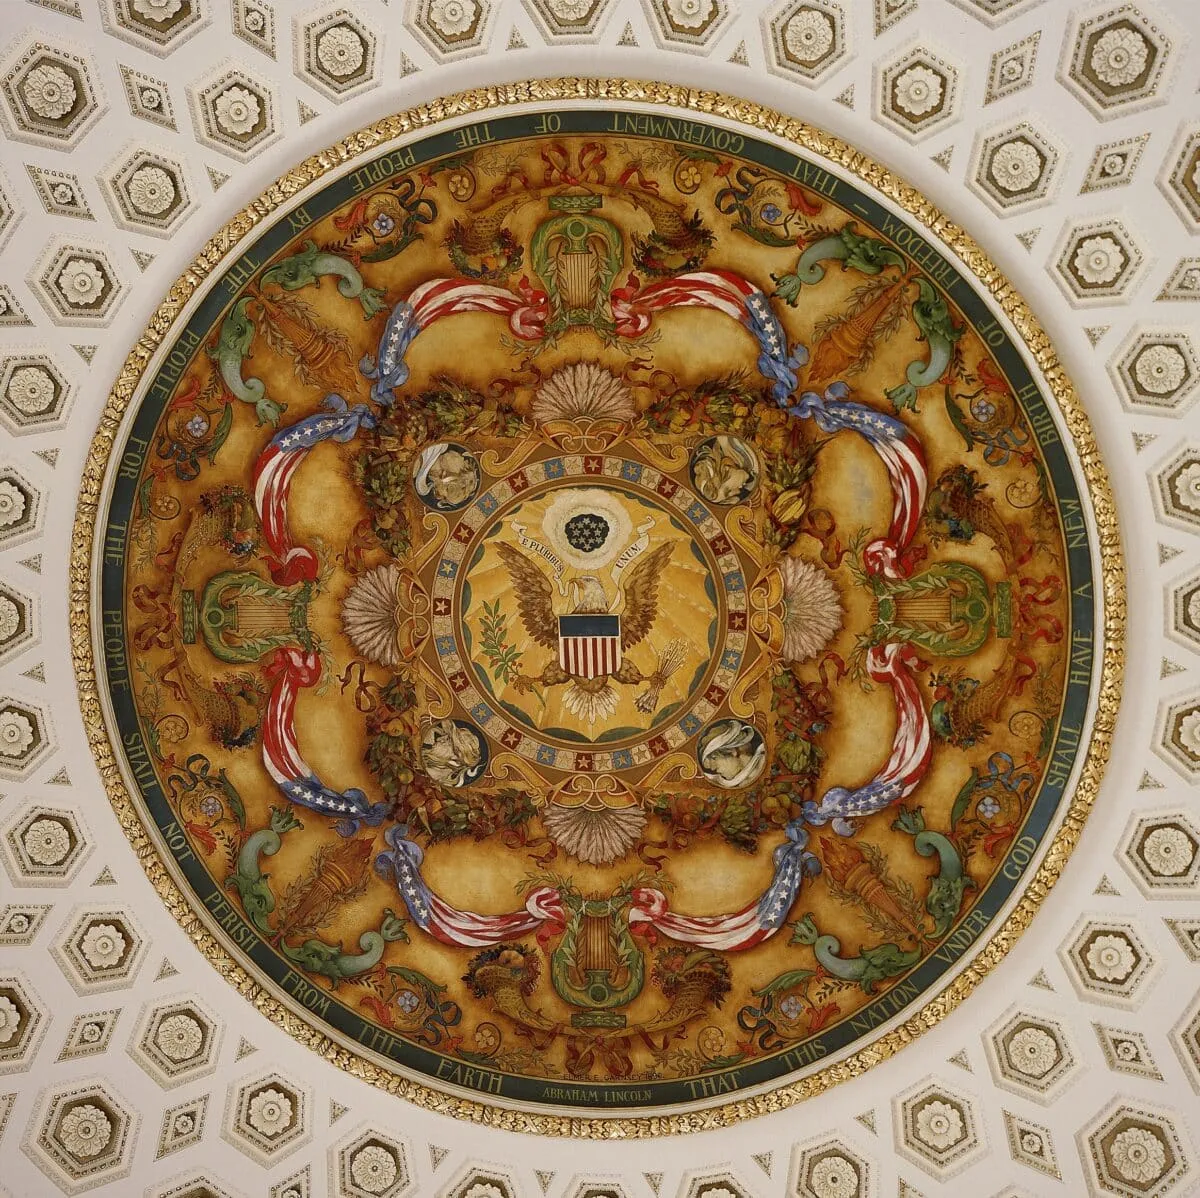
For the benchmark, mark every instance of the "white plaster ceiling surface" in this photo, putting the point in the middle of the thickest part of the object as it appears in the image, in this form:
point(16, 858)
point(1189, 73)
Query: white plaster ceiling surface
point(1063, 136)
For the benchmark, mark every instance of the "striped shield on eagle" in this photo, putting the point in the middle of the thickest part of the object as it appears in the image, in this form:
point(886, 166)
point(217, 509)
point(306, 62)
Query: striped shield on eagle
point(589, 646)
point(590, 642)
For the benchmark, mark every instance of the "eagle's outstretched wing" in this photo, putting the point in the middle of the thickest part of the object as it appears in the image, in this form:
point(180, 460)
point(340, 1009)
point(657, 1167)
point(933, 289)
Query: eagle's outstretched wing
point(641, 596)
point(534, 596)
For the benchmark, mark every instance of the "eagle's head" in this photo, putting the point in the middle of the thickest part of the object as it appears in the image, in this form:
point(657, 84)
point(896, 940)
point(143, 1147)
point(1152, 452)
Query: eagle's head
point(589, 596)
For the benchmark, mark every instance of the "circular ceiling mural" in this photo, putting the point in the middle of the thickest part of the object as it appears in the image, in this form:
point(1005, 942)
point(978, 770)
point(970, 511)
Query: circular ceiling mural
point(597, 611)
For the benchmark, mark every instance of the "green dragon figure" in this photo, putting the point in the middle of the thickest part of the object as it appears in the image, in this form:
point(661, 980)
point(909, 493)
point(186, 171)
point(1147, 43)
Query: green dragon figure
point(867, 255)
point(932, 316)
point(233, 347)
point(252, 885)
point(311, 264)
point(330, 961)
point(947, 887)
point(872, 965)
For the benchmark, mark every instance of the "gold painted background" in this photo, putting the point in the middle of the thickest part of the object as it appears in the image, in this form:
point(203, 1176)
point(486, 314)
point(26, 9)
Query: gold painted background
point(331, 729)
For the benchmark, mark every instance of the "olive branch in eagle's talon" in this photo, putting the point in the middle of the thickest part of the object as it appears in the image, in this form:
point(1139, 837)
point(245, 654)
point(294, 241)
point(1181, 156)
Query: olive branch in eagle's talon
point(505, 659)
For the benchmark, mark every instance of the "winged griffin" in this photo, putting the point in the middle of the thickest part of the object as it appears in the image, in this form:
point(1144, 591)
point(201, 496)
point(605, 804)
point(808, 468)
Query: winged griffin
point(590, 641)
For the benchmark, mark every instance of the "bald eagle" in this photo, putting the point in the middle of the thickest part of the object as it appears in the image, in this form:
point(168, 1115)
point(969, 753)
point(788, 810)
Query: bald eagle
point(596, 698)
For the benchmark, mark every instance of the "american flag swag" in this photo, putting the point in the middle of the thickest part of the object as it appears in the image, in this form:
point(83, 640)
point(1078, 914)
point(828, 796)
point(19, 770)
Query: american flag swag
point(545, 913)
point(903, 457)
point(897, 446)
point(724, 933)
point(289, 670)
point(401, 863)
point(912, 747)
point(724, 291)
point(278, 462)
point(742, 929)
point(589, 646)
point(527, 310)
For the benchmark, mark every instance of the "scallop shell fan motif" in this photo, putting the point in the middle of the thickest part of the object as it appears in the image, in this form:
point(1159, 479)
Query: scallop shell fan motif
point(371, 612)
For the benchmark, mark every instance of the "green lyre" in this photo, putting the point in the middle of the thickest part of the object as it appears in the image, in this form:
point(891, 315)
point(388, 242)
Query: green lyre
point(242, 617)
point(596, 965)
point(577, 256)
point(947, 609)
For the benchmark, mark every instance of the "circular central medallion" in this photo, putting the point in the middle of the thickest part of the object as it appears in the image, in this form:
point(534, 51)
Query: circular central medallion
point(599, 610)
point(616, 582)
